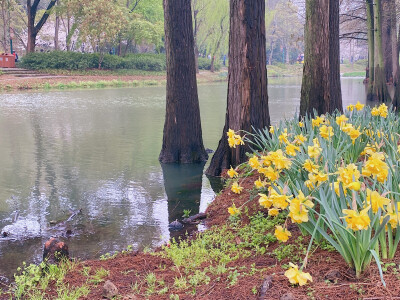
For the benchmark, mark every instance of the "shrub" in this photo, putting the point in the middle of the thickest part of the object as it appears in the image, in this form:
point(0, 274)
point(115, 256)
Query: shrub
point(83, 61)
point(205, 64)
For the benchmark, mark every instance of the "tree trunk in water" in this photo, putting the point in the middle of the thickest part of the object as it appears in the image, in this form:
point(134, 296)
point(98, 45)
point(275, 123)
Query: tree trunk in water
point(182, 139)
point(380, 89)
point(247, 101)
point(321, 89)
point(371, 49)
point(387, 40)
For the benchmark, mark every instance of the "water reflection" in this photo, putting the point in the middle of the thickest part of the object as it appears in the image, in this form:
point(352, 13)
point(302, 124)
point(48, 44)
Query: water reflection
point(182, 184)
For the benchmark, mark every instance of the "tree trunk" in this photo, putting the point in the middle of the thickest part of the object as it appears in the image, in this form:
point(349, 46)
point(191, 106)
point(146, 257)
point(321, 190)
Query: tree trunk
point(380, 89)
point(33, 29)
point(271, 53)
point(396, 48)
point(387, 40)
point(195, 30)
point(395, 54)
point(247, 101)
point(212, 63)
point(56, 30)
point(182, 139)
point(371, 49)
point(321, 89)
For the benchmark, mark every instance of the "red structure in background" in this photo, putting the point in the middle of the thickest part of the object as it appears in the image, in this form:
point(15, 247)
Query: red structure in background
point(7, 60)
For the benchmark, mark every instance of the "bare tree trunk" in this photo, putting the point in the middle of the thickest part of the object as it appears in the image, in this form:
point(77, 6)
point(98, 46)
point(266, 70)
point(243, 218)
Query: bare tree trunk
point(321, 89)
point(380, 89)
point(371, 48)
point(247, 101)
point(33, 29)
point(271, 53)
point(212, 63)
point(387, 40)
point(287, 54)
point(56, 30)
point(396, 70)
point(182, 139)
point(195, 30)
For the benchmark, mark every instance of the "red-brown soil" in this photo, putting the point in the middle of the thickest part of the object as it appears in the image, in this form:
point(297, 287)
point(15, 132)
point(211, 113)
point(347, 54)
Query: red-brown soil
point(332, 278)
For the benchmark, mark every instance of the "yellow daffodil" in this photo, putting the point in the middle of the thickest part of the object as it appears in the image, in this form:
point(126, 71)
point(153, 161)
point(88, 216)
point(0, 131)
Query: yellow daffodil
point(326, 132)
point(283, 137)
point(368, 150)
point(271, 129)
point(234, 139)
point(375, 166)
point(383, 110)
point(359, 106)
point(347, 127)
point(355, 186)
point(279, 160)
point(375, 112)
point(350, 107)
point(279, 200)
point(259, 183)
point(301, 124)
point(264, 201)
point(298, 211)
point(376, 201)
point(394, 217)
point(357, 220)
point(341, 120)
point(336, 186)
point(314, 151)
point(273, 212)
point(233, 210)
point(354, 134)
point(230, 133)
point(269, 172)
point(236, 188)
point(348, 174)
point(291, 149)
point(310, 166)
point(317, 121)
point(282, 234)
point(254, 162)
point(297, 276)
point(300, 139)
point(232, 173)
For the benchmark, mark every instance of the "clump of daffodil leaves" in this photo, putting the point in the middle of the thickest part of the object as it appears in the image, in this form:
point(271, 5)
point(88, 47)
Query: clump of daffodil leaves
point(336, 176)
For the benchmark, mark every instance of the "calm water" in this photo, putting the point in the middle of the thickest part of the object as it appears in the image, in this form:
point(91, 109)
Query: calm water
point(97, 150)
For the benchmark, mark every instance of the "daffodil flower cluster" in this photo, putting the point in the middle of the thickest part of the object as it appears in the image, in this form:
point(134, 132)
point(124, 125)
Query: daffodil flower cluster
point(348, 164)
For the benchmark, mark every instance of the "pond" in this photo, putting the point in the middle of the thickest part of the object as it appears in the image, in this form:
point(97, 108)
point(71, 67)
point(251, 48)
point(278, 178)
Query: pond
point(91, 156)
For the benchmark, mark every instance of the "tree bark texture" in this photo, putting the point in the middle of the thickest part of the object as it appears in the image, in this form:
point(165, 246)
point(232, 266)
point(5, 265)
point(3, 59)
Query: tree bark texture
point(380, 90)
point(387, 39)
point(321, 89)
point(247, 101)
point(396, 72)
point(371, 48)
point(182, 139)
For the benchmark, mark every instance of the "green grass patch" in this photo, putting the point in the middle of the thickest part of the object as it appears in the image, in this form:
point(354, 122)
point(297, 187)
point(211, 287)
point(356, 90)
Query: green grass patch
point(354, 74)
